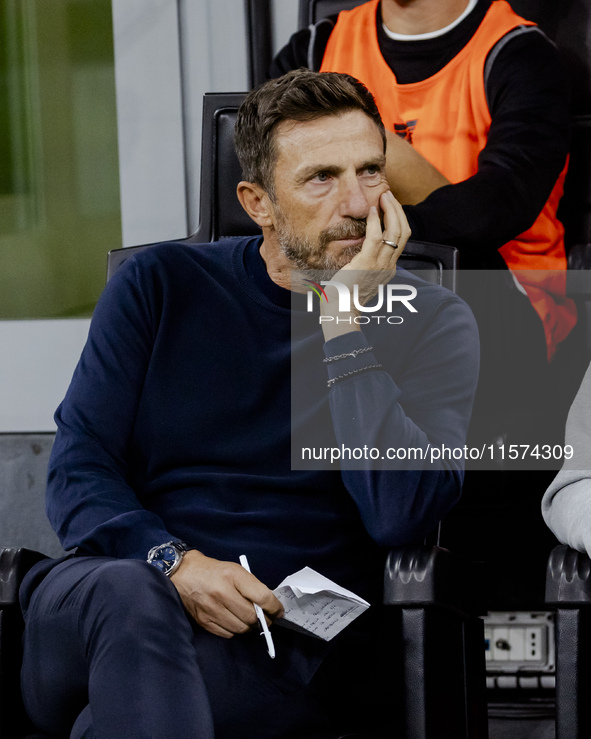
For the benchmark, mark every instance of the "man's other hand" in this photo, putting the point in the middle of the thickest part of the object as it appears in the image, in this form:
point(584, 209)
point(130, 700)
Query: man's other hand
point(220, 595)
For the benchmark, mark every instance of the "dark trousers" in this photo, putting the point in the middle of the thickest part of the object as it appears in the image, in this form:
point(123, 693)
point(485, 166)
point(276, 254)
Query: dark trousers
point(109, 652)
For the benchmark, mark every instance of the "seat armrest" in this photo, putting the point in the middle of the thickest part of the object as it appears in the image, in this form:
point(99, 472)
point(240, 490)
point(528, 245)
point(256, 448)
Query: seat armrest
point(14, 565)
point(568, 590)
point(568, 577)
point(433, 599)
point(422, 575)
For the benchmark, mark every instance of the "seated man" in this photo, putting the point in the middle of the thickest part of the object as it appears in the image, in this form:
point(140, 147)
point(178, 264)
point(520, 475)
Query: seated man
point(478, 98)
point(177, 429)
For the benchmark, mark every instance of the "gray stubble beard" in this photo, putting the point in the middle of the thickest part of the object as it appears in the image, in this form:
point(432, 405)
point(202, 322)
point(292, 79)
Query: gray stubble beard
point(304, 254)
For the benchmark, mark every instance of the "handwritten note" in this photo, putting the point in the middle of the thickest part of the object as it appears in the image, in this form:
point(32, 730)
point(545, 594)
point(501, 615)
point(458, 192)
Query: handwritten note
point(316, 605)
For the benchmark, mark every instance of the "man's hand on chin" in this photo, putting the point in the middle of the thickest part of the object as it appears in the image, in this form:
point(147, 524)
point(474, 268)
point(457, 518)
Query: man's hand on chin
point(373, 266)
point(220, 595)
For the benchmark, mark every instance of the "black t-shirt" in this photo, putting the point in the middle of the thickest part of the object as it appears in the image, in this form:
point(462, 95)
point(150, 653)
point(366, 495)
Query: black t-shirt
point(528, 98)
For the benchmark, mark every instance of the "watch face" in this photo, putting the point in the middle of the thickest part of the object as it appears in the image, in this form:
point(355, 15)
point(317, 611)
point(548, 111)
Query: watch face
point(165, 558)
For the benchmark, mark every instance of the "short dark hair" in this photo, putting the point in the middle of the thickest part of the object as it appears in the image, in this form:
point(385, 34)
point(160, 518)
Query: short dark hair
point(300, 95)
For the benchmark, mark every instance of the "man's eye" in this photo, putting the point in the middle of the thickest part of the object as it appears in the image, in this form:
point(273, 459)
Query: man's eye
point(321, 177)
point(373, 169)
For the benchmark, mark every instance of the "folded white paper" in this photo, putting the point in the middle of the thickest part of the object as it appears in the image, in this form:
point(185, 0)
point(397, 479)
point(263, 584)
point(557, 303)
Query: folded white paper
point(316, 605)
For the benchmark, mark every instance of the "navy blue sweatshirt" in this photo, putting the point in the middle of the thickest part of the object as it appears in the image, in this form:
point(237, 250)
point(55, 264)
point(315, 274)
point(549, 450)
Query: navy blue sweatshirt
point(178, 421)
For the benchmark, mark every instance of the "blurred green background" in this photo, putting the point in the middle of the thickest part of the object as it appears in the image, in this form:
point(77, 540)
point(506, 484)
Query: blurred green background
point(59, 175)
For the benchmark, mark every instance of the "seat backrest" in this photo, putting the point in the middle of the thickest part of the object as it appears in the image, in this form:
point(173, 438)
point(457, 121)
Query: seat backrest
point(222, 215)
point(311, 11)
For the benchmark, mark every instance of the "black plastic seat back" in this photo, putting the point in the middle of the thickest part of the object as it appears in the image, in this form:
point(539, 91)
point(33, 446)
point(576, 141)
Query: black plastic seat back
point(220, 212)
point(311, 11)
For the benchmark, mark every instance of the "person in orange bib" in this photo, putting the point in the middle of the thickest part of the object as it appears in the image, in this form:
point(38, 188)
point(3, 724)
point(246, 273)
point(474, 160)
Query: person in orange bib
point(476, 104)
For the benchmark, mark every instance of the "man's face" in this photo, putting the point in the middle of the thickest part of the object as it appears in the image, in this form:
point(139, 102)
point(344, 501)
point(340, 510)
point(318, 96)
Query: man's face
point(329, 172)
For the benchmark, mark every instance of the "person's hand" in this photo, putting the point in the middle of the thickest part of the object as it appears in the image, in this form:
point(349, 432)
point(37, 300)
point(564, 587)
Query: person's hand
point(220, 595)
point(377, 260)
point(374, 265)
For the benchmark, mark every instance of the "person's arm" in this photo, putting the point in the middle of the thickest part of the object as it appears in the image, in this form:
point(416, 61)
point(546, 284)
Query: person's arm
point(526, 150)
point(91, 501)
point(427, 408)
point(566, 505)
point(411, 177)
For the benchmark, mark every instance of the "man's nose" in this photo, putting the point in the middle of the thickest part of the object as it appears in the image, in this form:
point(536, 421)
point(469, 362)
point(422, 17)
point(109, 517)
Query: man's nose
point(354, 201)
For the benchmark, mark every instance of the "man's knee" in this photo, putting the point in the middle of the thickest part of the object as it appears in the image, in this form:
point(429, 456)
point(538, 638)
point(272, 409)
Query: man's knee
point(134, 593)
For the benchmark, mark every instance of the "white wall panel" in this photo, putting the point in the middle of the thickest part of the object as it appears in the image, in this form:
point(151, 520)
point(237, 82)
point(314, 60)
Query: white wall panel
point(149, 120)
point(36, 364)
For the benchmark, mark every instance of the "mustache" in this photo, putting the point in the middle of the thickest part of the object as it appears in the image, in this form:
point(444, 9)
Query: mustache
point(351, 229)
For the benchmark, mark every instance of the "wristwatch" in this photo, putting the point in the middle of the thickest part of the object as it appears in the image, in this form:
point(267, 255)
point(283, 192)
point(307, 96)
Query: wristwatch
point(168, 557)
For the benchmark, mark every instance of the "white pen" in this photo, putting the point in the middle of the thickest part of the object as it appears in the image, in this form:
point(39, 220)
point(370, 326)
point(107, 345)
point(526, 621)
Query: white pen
point(261, 616)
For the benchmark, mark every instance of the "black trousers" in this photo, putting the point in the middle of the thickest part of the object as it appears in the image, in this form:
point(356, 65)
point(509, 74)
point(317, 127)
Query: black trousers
point(110, 652)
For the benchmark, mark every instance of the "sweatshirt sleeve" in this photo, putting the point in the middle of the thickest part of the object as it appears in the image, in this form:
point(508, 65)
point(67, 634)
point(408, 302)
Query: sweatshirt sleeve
point(90, 502)
point(402, 501)
point(566, 505)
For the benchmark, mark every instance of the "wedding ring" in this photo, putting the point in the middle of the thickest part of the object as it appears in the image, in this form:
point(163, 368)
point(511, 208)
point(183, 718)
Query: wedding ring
point(393, 244)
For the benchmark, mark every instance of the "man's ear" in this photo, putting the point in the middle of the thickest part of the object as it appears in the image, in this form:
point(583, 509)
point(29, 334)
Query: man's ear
point(256, 203)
